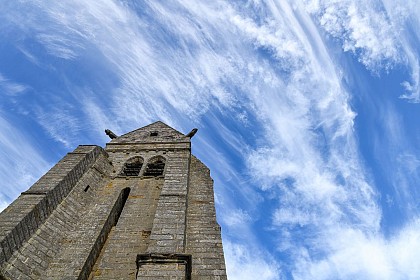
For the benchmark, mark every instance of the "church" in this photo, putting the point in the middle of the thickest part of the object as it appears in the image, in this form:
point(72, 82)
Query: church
point(140, 208)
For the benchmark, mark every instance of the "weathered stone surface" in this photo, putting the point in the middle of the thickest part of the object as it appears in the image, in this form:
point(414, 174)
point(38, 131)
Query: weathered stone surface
point(84, 219)
point(203, 236)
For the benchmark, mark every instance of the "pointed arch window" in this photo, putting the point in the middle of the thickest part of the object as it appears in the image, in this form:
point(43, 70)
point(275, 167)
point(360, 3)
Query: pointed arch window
point(155, 167)
point(132, 167)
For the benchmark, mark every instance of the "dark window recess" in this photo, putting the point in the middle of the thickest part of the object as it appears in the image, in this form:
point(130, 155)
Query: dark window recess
point(154, 133)
point(87, 188)
point(132, 168)
point(120, 204)
point(155, 168)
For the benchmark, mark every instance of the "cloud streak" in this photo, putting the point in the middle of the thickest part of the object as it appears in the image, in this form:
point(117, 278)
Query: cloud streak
point(376, 32)
point(21, 165)
point(360, 256)
point(10, 88)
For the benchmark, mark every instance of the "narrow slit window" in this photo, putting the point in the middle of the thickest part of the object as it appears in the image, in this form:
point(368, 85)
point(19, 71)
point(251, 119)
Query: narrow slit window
point(154, 133)
point(155, 168)
point(132, 167)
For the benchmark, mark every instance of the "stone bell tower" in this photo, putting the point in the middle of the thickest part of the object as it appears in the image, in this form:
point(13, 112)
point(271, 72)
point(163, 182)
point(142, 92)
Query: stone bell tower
point(142, 208)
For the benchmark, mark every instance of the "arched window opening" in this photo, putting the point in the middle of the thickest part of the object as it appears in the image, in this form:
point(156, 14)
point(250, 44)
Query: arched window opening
point(132, 167)
point(155, 167)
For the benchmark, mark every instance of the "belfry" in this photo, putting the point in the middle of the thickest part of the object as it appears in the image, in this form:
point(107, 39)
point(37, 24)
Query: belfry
point(140, 208)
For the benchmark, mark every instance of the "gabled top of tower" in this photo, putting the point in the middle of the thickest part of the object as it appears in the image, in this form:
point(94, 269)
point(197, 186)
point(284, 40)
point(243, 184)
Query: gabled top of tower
point(156, 132)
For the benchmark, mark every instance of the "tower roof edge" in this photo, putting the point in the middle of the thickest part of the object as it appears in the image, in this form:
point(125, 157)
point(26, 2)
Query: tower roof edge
point(154, 132)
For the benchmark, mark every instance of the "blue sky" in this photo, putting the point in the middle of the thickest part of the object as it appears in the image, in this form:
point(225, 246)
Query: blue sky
point(307, 114)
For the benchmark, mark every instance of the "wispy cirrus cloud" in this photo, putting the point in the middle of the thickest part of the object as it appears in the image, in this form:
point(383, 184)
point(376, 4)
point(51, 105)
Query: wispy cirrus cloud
point(314, 165)
point(245, 263)
point(364, 29)
point(60, 125)
point(355, 255)
point(381, 34)
point(21, 164)
point(9, 87)
point(400, 156)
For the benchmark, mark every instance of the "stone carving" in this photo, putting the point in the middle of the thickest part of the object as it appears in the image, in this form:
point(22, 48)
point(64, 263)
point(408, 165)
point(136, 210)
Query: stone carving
point(111, 134)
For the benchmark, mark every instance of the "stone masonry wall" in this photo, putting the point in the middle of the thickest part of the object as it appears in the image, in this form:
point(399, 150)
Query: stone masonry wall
point(130, 236)
point(168, 232)
point(169, 224)
point(51, 238)
point(204, 241)
point(26, 214)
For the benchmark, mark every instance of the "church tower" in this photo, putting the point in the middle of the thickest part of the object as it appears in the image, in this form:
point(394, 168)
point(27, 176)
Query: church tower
point(142, 208)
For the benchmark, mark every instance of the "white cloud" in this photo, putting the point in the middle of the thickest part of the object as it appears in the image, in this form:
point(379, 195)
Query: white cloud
point(364, 29)
point(405, 16)
point(281, 42)
point(292, 215)
point(21, 164)
point(59, 45)
point(9, 87)
point(245, 263)
point(379, 33)
point(400, 157)
point(412, 87)
point(59, 123)
point(236, 217)
point(357, 255)
point(311, 159)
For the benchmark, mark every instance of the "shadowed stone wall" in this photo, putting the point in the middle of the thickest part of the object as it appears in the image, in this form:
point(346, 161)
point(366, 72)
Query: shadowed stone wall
point(203, 236)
